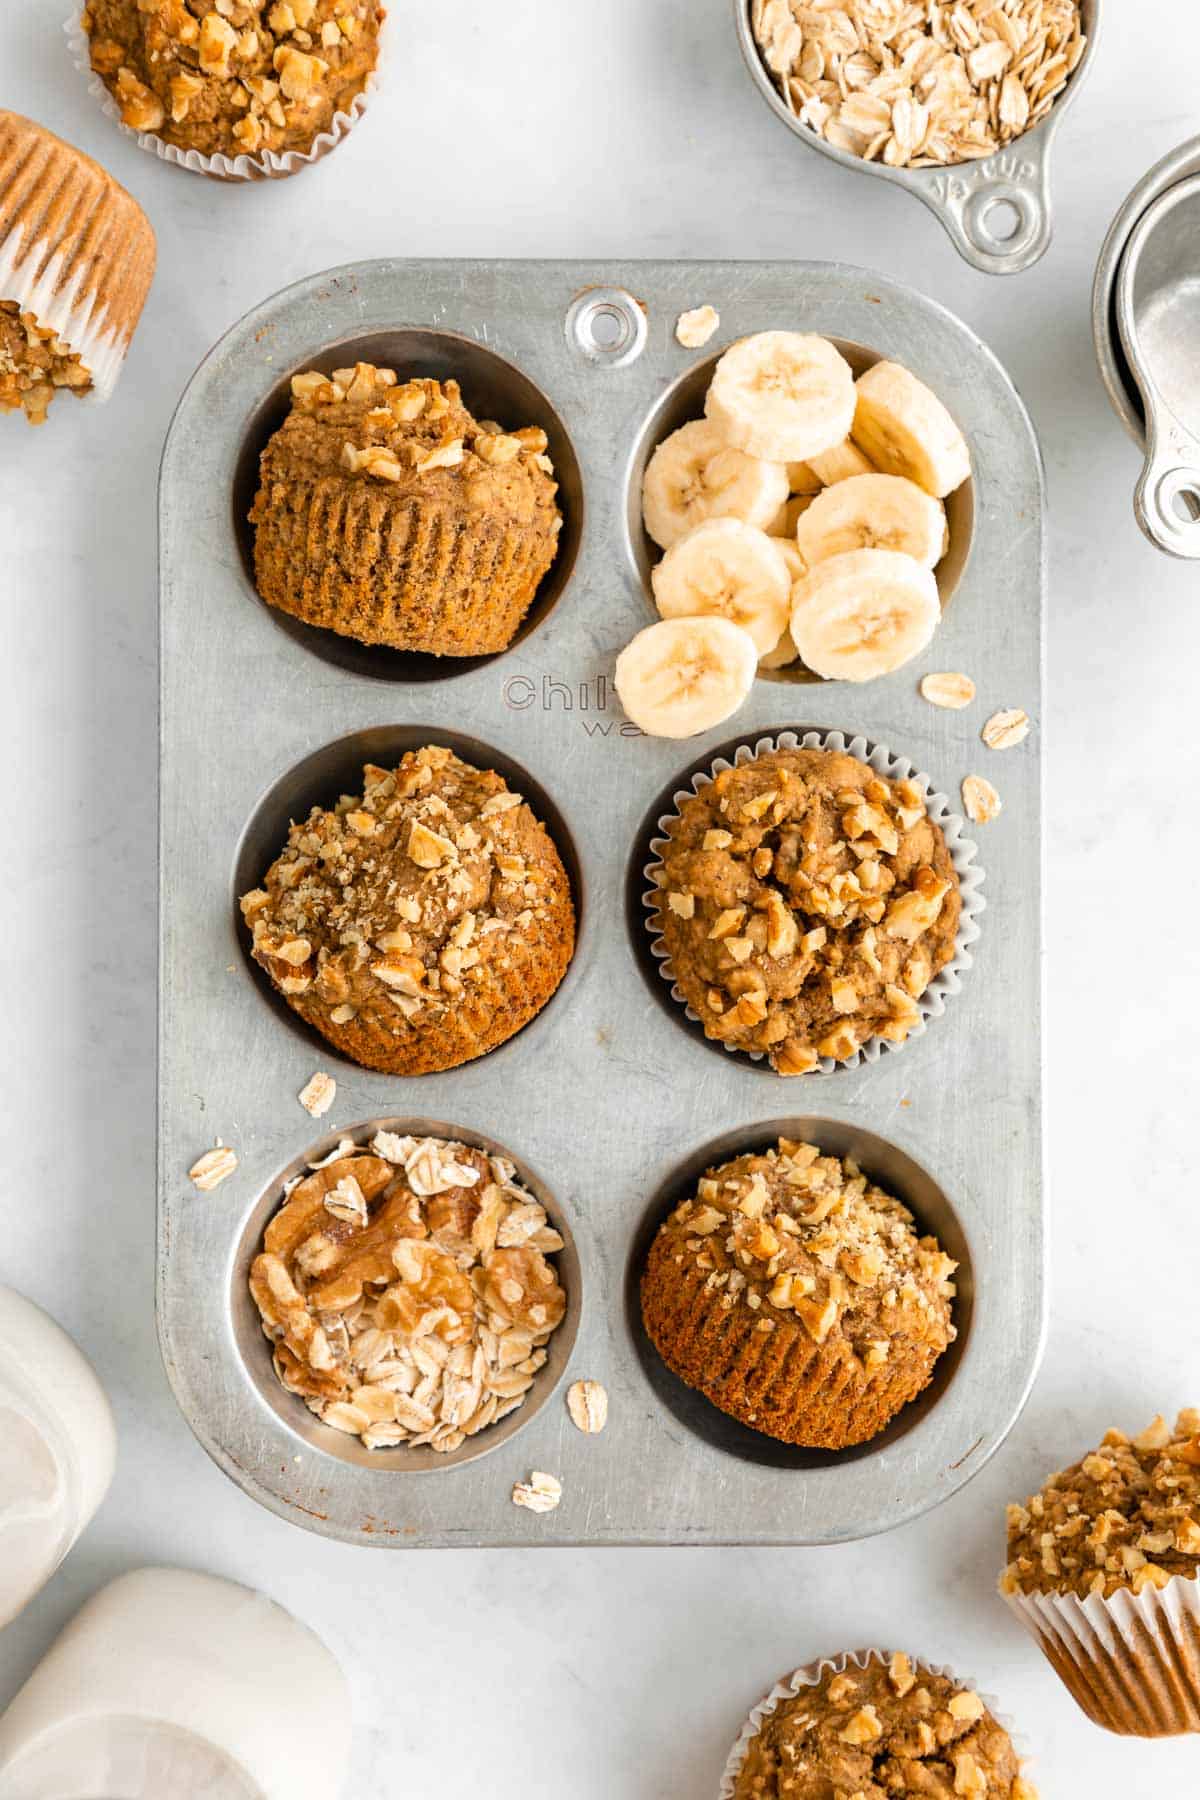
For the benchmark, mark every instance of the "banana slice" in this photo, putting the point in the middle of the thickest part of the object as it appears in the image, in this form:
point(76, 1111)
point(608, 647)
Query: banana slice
point(785, 652)
point(841, 463)
point(873, 512)
point(694, 475)
point(685, 675)
point(803, 479)
point(731, 569)
point(783, 395)
point(863, 614)
point(783, 525)
point(905, 430)
point(797, 568)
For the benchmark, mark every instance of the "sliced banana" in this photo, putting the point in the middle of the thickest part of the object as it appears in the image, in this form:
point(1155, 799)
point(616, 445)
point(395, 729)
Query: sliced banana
point(841, 463)
point(782, 395)
point(785, 652)
point(905, 430)
point(694, 475)
point(863, 614)
point(803, 478)
point(730, 569)
point(796, 565)
point(682, 676)
point(873, 512)
point(783, 525)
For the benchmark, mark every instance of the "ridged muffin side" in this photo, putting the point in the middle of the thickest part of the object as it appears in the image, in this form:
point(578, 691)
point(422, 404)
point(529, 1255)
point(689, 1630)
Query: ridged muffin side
point(797, 1297)
point(420, 924)
point(77, 257)
point(387, 513)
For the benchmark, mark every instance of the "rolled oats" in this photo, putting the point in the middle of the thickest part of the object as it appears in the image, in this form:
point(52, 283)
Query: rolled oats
point(919, 85)
point(694, 328)
point(214, 1167)
point(1004, 730)
point(949, 690)
point(318, 1094)
point(981, 802)
point(587, 1403)
point(540, 1494)
point(406, 1290)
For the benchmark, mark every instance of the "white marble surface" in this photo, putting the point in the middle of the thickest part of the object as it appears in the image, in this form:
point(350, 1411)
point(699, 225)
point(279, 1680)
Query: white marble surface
point(554, 127)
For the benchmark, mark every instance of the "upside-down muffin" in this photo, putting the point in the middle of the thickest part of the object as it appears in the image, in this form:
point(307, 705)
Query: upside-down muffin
point(233, 77)
point(420, 923)
point(406, 1288)
point(879, 1727)
point(805, 904)
point(387, 513)
point(798, 1298)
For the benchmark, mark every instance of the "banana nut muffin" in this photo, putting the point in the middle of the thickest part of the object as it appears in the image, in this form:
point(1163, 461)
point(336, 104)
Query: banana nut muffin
point(798, 1298)
point(77, 259)
point(883, 1732)
point(387, 513)
point(1126, 1516)
point(406, 1288)
point(805, 904)
point(419, 924)
point(233, 77)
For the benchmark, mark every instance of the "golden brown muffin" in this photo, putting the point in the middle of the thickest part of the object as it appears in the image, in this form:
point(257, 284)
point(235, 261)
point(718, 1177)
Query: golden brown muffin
point(797, 1297)
point(805, 904)
point(386, 513)
point(1126, 1516)
point(420, 924)
point(406, 1289)
point(76, 263)
point(233, 77)
point(884, 1732)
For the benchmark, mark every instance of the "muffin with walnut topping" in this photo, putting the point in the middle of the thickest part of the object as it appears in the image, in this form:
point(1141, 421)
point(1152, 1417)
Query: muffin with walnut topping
point(798, 1298)
point(225, 79)
point(420, 923)
point(1104, 1572)
point(805, 903)
point(387, 513)
point(869, 1725)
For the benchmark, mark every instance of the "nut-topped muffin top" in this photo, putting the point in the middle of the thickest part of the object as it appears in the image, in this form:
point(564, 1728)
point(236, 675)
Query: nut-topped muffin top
point(233, 77)
point(885, 1732)
point(1126, 1516)
point(806, 903)
point(419, 923)
point(414, 436)
point(794, 1232)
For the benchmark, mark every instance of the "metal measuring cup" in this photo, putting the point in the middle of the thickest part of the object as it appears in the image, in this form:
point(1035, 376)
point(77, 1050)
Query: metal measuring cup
point(975, 201)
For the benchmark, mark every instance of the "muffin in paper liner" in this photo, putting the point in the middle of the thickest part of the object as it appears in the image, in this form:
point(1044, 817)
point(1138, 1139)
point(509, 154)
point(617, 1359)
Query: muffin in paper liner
point(76, 250)
point(1131, 1661)
point(268, 165)
point(812, 1674)
point(962, 851)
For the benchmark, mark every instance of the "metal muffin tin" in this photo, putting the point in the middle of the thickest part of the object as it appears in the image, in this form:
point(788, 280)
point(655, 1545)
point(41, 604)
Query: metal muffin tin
point(973, 200)
point(608, 1100)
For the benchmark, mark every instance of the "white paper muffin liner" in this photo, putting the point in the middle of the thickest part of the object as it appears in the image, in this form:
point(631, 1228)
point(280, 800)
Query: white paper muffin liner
point(812, 1674)
point(962, 849)
point(269, 164)
point(1132, 1661)
point(73, 315)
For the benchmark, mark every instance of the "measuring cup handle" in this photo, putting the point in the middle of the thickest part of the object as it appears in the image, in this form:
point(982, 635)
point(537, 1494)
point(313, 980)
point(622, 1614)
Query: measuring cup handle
point(1166, 501)
point(997, 211)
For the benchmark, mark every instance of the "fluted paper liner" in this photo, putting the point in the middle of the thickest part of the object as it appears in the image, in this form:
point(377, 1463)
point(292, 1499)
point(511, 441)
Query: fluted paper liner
point(1131, 1661)
point(812, 1674)
point(962, 849)
point(75, 249)
point(268, 165)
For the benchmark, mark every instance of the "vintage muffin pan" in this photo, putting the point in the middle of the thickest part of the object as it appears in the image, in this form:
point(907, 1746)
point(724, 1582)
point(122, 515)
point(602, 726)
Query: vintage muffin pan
point(608, 1102)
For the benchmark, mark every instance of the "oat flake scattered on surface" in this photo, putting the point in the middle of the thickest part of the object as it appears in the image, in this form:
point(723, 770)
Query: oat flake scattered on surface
point(1005, 730)
point(947, 689)
point(693, 329)
point(318, 1093)
point(540, 1494)
point(981, 802)
point(587, 1403)
point(214, 1167)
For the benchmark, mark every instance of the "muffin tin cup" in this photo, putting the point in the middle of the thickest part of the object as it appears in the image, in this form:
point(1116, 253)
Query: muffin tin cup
point(962, 849)
point(1130, 1661)
point(271, 165)
point(812, 1674)
point(601, 1093)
